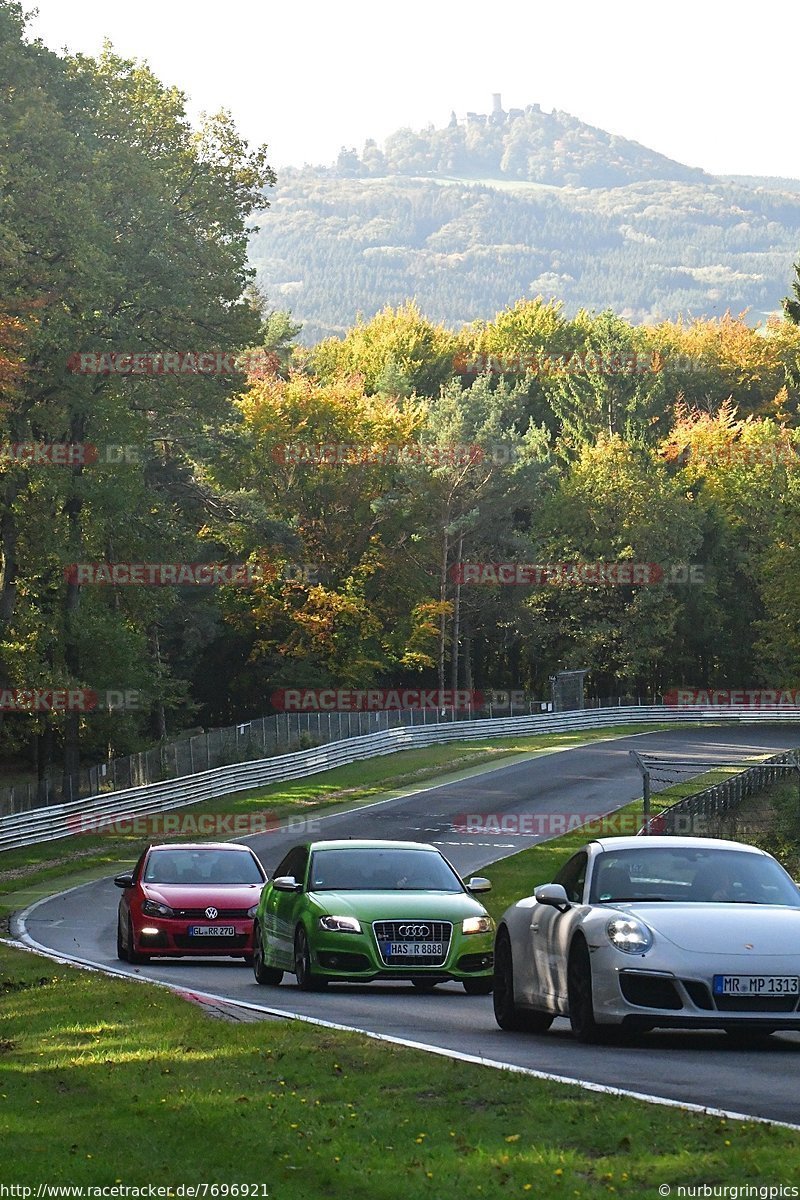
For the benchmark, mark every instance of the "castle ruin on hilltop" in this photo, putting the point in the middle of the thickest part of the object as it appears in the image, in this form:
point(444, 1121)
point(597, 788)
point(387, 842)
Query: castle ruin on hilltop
point(497, 116)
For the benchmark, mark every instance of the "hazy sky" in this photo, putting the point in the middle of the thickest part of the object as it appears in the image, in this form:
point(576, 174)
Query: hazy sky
point(711, 83)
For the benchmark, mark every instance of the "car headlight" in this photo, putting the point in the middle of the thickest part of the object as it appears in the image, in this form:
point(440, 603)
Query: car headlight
point(251, 912)
point(630, 935)
point(340, 924)
point(152, 908)
point(477, 925)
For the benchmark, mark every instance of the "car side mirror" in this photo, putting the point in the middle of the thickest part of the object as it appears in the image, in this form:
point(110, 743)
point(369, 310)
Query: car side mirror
point(478, 884)
point(125, 880)
point(554, 895)
point(286, 883)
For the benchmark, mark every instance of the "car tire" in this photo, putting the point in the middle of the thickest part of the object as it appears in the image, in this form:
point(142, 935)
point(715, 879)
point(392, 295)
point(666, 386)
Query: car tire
point(579, 997)
point(133, 955)
point(507, 1014)
point(484, 986)
point(122, 952)
point(307, 981)
point(424, 985)
point(263, 974)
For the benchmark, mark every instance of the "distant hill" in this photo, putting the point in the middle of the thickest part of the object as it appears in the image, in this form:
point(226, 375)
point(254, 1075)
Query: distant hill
point(522, 144)
point(772, 183)
point(469, 218)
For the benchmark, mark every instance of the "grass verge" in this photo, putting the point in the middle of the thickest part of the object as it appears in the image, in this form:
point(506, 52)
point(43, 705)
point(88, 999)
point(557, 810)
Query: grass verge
point(771, 820)
point(105, 1082)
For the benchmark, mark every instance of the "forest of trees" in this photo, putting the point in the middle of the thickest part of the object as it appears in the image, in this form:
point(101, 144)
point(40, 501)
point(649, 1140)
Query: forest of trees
point(589, 439)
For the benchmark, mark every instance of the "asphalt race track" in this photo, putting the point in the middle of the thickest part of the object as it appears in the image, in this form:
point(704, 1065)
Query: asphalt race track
point(697, 1067)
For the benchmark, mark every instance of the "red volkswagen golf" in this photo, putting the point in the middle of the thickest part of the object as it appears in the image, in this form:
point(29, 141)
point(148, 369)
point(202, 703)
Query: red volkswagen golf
point(189, 900)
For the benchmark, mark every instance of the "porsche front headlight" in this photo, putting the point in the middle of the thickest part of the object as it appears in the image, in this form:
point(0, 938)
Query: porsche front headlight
point(630, 935)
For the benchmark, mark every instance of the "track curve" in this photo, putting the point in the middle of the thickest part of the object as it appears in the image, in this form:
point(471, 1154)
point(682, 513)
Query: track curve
point(697, 1068)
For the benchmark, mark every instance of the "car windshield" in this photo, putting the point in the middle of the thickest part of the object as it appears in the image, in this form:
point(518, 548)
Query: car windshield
point(695, 875)
point(202, 867)
point(367, 870)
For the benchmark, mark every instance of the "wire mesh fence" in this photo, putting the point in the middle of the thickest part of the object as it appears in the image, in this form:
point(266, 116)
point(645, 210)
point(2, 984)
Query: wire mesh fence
point(709, 811)
point(247, 741)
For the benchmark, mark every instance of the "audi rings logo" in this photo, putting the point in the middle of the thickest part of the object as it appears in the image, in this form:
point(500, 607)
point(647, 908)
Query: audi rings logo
point(211, 913)
point(413, 931)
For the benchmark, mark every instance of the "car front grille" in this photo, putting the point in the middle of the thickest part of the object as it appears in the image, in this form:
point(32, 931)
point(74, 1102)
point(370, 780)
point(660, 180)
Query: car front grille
point(413, 930)
point(759, 1004)
point(649, 990)
point(199, 914)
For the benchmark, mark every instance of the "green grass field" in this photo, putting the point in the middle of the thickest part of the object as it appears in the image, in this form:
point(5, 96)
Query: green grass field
point(102, 1081)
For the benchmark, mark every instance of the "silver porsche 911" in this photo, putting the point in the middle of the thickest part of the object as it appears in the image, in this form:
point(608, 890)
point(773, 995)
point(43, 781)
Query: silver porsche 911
point(654, 932)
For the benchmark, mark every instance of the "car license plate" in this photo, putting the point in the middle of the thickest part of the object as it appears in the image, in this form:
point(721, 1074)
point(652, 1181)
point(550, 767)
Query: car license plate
point(414, 949)
point(756, 985)
point(212, 930)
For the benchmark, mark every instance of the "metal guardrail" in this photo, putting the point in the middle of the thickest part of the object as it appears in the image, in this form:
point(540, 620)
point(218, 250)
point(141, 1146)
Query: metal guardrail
point(64, 820)
point(721, 799)
point(261, 737)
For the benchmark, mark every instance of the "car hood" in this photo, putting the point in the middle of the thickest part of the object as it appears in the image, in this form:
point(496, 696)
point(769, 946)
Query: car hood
point(723, 928)
point(220, 895)
point(382, 906)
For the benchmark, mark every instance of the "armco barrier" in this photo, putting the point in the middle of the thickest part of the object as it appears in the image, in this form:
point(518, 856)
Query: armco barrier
point(58, 821)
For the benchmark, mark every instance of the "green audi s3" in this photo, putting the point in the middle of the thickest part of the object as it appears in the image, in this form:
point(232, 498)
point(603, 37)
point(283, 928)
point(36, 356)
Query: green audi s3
point(355, 911)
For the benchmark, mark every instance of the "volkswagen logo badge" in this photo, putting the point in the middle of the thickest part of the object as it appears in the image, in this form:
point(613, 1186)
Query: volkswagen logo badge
point(211, 913)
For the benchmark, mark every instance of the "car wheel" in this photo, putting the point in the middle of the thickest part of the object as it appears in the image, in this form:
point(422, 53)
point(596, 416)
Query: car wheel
point(263, 973)
point(424, 985)
point(133, 954)
point(122, 952)
point(479, 987)
point(579, 995)
point(307, 981)
point(507, 1014)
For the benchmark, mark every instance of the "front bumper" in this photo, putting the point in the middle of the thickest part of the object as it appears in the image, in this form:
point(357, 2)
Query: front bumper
point(647, 994)
point(356, 957)
point(170, 937)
